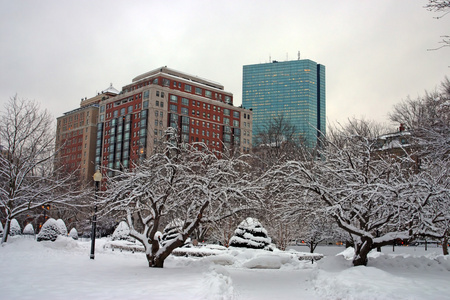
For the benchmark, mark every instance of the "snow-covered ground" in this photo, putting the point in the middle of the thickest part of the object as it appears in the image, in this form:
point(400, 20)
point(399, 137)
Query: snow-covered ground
point(63, 270)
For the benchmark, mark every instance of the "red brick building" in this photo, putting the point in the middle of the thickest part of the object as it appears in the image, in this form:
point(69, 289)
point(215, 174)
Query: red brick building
point(129, 125)
point(76, 136)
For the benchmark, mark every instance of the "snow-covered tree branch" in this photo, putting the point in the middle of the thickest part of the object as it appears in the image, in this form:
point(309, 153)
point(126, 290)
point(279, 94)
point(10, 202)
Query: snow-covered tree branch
point(373, 195)
point(182, 183)
point(27, 180)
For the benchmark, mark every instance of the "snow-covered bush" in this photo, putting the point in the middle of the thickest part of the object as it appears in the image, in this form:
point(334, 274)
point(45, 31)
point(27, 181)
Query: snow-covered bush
point(1, 229)
point(122, 232)
point(73, 233)
point(15, 228)
point(49, 231)
point(28, 230)
point(251, 234)
point(62, 227)
point(171, 231)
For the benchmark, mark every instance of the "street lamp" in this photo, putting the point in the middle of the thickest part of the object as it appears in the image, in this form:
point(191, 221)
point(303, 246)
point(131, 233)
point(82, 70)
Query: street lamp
point(97, 179)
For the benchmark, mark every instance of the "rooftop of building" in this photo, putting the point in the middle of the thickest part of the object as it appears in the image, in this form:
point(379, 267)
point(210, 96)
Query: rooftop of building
point(178, 74)
point(106, 93)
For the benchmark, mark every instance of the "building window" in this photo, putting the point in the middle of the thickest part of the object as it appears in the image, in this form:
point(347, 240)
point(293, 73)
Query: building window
point(208, 94)
point(235, 123)
point(184, 101)
point(166, 82)
point(173, 107)
point(173, 99)
point(235, 114)
point(198, 91)
point(146, 94)
point(226, 111)
point(187, 88)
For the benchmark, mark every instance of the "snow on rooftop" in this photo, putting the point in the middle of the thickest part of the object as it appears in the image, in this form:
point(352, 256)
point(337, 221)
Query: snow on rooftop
point(111, 90)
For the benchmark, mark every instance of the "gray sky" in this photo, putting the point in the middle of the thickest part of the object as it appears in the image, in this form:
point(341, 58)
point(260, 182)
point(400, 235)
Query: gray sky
point(375, 52)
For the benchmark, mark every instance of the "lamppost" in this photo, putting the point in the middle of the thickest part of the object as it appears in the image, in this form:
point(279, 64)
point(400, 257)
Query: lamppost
point(97, 179)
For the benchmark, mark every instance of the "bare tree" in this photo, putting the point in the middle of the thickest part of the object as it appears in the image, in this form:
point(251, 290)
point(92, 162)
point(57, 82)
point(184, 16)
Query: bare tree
point(182, 183)
point(428, 120)
point(27, 181)
point(277, 141)
point(443, 7)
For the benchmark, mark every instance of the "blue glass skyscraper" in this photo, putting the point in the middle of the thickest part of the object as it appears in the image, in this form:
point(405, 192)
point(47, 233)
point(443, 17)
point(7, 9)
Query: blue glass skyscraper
point(294, 89)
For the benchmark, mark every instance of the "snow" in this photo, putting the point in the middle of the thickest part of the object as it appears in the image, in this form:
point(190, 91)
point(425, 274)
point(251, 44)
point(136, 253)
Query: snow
point(63, 270)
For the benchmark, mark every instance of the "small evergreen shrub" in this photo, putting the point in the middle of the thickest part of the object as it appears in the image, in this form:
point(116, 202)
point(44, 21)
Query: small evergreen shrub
point(73, 234)
point(122, 232)
point(14, 228)
point(28, 230)
point(62, 227)
point(171, 231)
point(251, 234)
point(49, 231)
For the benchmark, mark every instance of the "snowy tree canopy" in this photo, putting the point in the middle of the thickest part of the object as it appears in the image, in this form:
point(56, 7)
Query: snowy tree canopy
point(251, 234)
point(49, 231)
point(122, 232)
point(73, 233)
point(179, 181)
point(373, 195)
point(28, 230)
point(15, 228)
point(28, 178)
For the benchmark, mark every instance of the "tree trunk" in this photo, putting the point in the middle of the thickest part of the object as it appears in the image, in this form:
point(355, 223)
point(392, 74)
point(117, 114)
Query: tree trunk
point(362, 249)
point(445, 245)
point(6, 230)
point(155, 262)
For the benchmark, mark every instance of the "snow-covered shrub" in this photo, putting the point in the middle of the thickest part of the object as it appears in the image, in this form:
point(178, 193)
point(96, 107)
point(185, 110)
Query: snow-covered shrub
point(1, 229)
point(62, 227)
point(28, 230)
point(15, 228)
point(73, 233)
point(122, 232)
point(171, 231)
point(49, 231)
point(251, 234)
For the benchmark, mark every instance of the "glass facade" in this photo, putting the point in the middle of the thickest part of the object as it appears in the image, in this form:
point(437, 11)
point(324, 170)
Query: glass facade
point(295, 89)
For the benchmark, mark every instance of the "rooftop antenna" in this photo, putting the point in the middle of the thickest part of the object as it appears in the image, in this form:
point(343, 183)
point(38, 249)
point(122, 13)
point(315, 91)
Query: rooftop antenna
point(298, 55)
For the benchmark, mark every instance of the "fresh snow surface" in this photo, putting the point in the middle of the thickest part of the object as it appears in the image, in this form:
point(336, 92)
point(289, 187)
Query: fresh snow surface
point(63, 270)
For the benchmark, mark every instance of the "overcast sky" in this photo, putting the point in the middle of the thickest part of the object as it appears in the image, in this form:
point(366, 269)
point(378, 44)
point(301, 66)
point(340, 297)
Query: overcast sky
point(375, 52)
